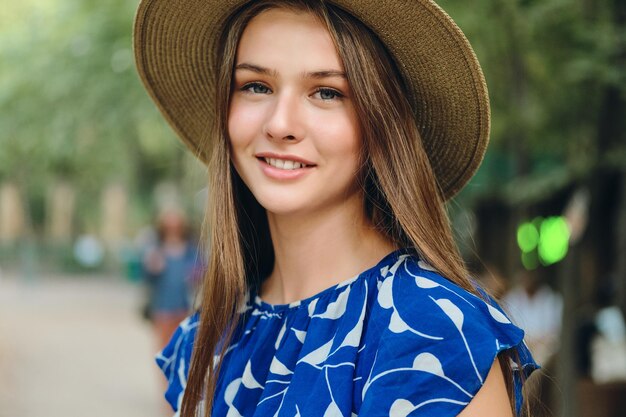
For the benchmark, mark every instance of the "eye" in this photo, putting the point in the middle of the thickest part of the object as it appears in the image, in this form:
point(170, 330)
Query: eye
point(328, 94)
point(256, 88)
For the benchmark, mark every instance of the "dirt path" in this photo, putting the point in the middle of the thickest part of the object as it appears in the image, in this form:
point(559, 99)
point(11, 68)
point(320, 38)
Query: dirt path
point(75, 347)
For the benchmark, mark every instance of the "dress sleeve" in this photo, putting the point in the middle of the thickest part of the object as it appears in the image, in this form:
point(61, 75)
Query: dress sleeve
point(437, 345)
point(174, 360)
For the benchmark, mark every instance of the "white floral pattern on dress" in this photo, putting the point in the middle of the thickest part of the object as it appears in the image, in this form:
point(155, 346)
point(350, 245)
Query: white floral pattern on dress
point(398, 340)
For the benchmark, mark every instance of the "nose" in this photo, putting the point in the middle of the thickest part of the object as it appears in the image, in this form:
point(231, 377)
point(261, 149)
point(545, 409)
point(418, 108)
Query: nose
point(284, 122)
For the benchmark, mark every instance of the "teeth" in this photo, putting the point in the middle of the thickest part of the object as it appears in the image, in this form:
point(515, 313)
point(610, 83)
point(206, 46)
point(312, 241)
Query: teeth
point(282, 164)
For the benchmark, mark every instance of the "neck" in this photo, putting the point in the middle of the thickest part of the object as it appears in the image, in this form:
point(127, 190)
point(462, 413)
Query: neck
point(316, 251)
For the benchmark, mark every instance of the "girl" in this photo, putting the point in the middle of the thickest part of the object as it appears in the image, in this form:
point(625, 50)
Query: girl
point(170, 269)
point(334, 132)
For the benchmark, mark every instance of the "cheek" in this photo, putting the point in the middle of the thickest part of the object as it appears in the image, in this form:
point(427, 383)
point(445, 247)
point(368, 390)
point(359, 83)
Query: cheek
point(242, 129)
point(236, 129)
point(341, 139)
point(236, 136)
point(245, 119)
point(244, 114)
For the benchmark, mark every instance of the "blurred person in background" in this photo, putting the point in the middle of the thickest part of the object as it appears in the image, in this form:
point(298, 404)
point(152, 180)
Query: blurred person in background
point(537, 309)
point(171, 269)
point(606, 343)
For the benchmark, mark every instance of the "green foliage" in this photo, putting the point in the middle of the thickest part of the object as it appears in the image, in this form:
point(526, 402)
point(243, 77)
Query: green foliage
point(71, 104)
point(548, 65)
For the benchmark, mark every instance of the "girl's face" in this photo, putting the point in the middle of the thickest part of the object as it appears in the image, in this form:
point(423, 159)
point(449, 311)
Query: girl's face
point(293, 130)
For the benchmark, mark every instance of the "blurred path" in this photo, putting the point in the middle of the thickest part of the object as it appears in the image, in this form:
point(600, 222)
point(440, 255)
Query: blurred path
point(75, 347)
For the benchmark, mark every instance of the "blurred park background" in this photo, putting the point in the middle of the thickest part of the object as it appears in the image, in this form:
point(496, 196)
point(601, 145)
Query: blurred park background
point(87, 164)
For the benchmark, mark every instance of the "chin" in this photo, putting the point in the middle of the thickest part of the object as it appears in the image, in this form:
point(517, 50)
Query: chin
point(280, 200)
point(281, 206)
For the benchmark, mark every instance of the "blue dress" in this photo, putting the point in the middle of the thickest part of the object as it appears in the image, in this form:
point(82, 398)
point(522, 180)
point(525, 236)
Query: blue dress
point(397, 340)
point(170, 289)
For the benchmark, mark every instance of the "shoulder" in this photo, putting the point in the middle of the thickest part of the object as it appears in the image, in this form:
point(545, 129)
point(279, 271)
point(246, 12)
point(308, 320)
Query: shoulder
point(415, 293)
point(437, 337)
point(174, 359)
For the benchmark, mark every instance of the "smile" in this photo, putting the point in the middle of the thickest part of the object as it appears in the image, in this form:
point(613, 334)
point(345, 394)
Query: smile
point(284, 164)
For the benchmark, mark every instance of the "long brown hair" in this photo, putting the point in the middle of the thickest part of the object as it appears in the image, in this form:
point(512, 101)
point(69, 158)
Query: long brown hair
point(401, 196)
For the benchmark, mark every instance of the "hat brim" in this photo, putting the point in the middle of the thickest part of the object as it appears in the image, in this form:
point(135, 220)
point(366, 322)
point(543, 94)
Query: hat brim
point(173, 41)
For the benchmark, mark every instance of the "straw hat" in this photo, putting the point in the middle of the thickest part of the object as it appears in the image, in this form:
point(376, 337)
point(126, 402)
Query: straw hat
point(173, 40)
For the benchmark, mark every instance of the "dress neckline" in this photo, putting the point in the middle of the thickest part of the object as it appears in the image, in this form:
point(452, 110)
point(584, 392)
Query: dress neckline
point(388, 259)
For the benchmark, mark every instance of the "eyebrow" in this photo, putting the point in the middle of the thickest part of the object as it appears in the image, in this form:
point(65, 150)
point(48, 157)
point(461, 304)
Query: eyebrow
point(326, 74)
point(266, 71)
point(255, 68)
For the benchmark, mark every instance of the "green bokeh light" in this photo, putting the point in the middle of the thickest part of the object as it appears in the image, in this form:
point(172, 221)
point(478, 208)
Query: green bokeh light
point(553, 240)
point(527, 237)
point(530, 260)
point(543, 241)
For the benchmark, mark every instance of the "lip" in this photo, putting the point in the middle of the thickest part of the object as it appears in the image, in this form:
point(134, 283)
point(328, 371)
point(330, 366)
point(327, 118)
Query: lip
point(284, 157)
point(283, 174)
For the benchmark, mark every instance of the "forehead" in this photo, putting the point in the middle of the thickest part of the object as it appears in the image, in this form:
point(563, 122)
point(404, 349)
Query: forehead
point(283, 37)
